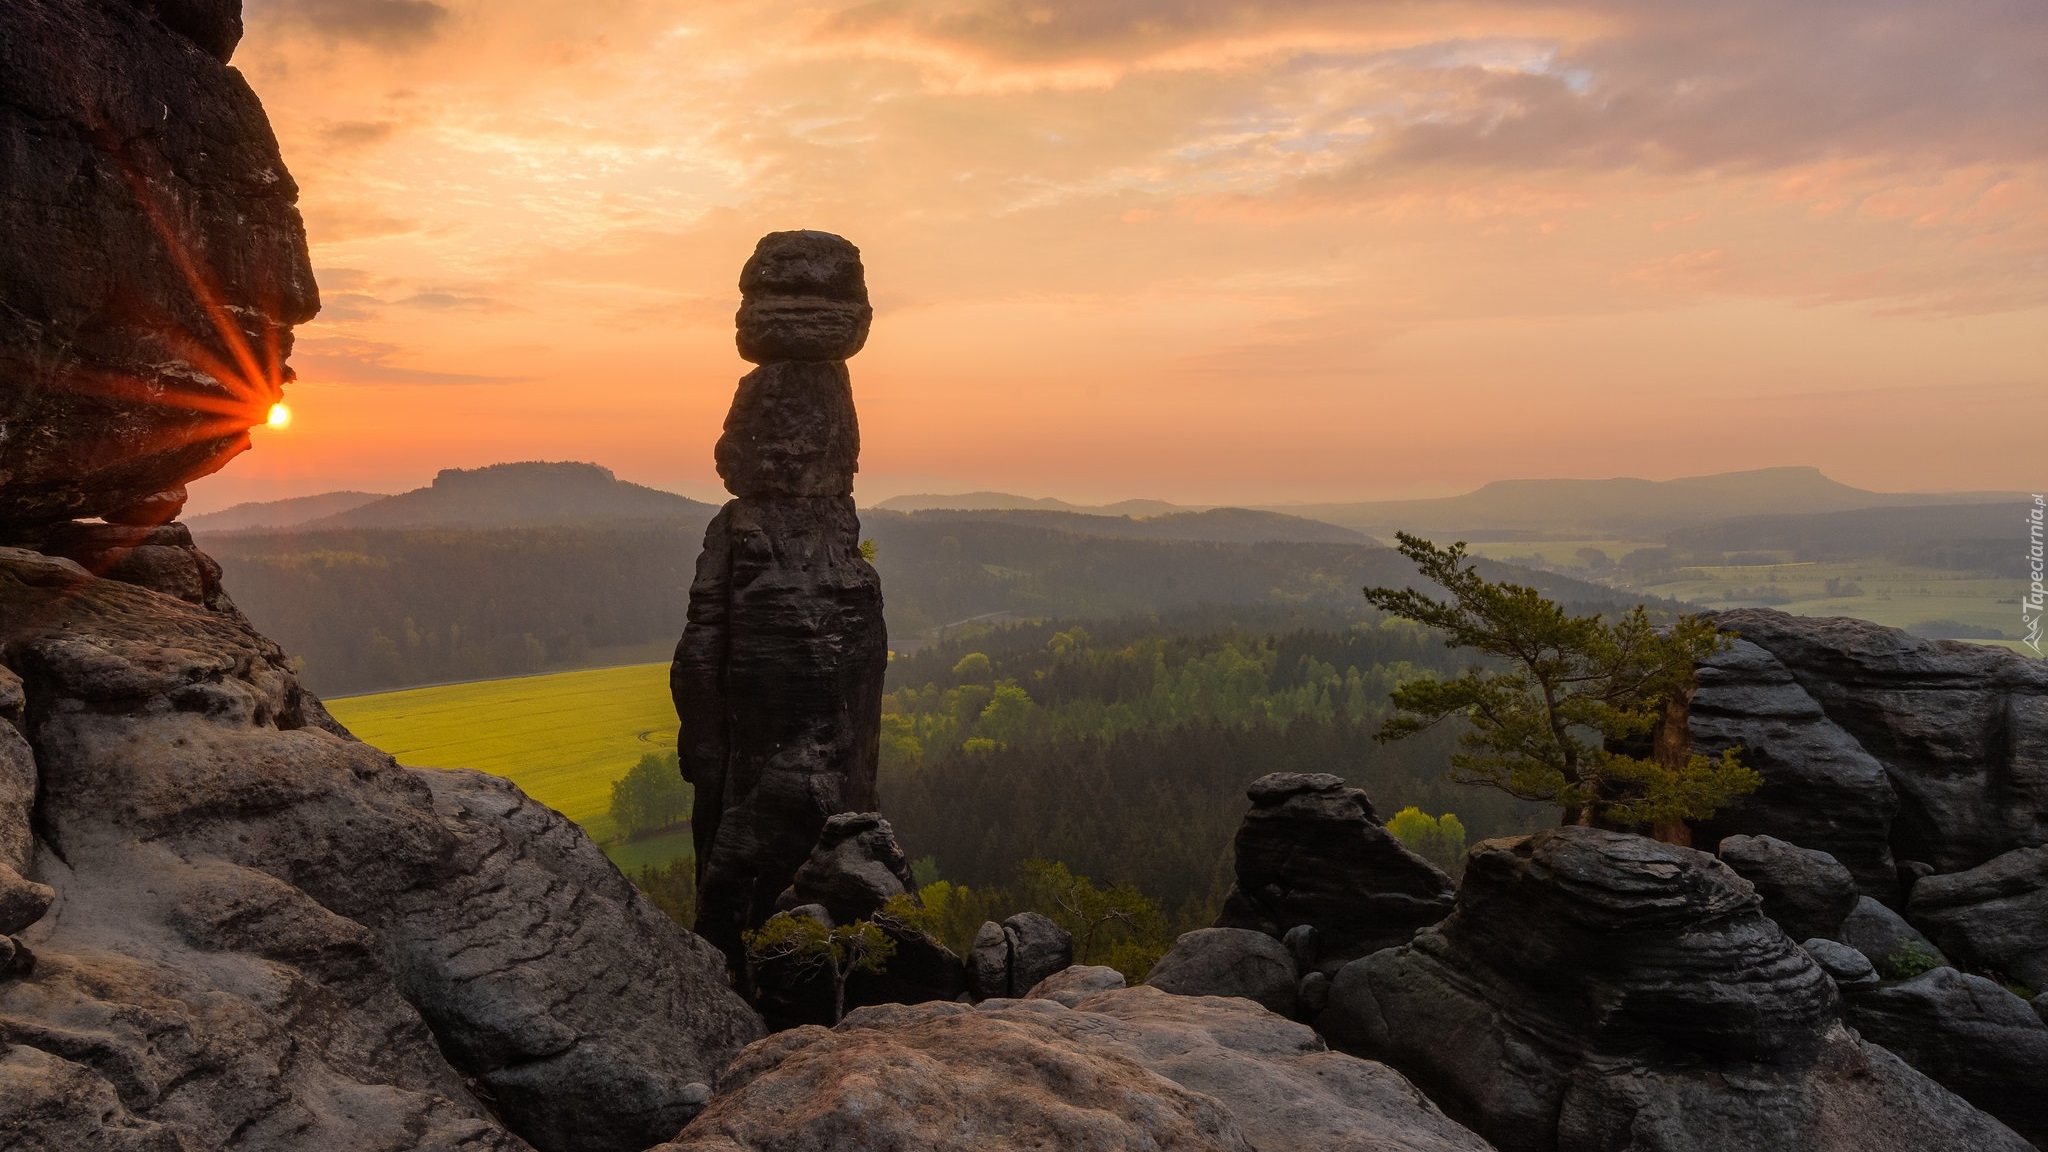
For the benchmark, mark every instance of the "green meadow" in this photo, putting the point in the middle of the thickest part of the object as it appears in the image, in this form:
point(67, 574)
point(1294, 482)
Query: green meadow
point(1899, 596)
point(562, 737)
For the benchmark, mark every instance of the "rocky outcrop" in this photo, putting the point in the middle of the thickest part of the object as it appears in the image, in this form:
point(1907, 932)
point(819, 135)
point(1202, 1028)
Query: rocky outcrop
point(1312, 851)
point(1597, 990)
point(1974, 1037)
point(1011, 958)
point(778, 677)
point(856, 869)
point(1821, 789)
point(1126, 1068)
point(1886, 938)
point(265, 930)
point(1805, 891)
point(1961, 730)
point(1228, 962)
point(1994, 916)
point(154, 260)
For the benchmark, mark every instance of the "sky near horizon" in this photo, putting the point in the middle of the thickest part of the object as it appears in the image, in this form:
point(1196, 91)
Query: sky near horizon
point(1202, 251)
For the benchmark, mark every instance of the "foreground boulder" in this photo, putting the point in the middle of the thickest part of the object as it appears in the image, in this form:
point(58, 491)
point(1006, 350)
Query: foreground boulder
point(154, 261)
point(1977, 1039)
point(1804, 890)
point(269, 935)
point(1126, 1068)
point(1312, 851)
point(1961, 729)
point(1011, 958)
point(1597, 990)
point(1994, 916)
point(1228, 962)
point(778, 676)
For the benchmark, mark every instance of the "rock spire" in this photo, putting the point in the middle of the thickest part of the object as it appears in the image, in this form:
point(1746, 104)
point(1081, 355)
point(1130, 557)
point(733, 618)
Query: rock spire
point(778, 678)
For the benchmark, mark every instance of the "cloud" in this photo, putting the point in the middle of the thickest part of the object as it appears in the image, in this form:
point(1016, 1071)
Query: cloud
point(350, 360)
point(357, 133)
point(387, 24)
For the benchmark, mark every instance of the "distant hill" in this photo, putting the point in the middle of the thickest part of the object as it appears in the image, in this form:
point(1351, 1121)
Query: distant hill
point(1510, 509)
point(1005, 502)
point(280, 513)
point(530, 494)
point(1219, 525)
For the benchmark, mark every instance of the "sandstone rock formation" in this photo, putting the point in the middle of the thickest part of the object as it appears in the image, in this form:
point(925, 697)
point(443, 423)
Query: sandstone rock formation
point(856, 868)
point(778, 678)
point(1821, 789)
point(1960, 729)
point(1125, 1068)
point(1228, 962)
point(1884, 936)
point(264, 929)
point(1597, 990)
point(1011, 958)
point(154, 259)
point(1312, 851)
point(1805, 891)
point(1974, 1037)
point(1993, 916)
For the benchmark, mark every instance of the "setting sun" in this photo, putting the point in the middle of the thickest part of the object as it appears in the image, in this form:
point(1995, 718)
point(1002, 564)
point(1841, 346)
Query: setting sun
point(280, 416)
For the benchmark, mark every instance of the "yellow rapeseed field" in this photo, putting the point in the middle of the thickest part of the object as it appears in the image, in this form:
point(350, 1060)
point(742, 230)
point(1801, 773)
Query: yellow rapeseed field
point(562, 737)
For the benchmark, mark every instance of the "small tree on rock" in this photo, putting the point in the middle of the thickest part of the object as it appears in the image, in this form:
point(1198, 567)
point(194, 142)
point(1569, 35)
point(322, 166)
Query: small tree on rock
point(1565, 695)
point(811, 946)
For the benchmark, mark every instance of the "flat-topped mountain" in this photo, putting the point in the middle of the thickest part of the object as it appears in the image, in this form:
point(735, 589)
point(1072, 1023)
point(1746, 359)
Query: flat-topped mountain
point(524, 494)
point(1621, 505)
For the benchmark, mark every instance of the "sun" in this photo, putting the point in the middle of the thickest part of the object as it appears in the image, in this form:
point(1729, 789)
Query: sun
point(280, 416)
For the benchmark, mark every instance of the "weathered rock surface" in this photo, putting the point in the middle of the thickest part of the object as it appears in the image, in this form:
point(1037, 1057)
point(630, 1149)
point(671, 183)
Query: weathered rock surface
point(1228, 962)
point(1803, 889)
point(855, 868)
point(1010, 958)
point(1076, 983)
point(778, 677)
point(1845, 965)
point(268, 934)
point(1884, 936)
point(1312, 851)
point(1596, 990)
point(1961, 729)
point(1821, 789)
point(152, 234)
point(804, 297)
point(1974, 1037)
point(1994, 916)
point(1129, 1068)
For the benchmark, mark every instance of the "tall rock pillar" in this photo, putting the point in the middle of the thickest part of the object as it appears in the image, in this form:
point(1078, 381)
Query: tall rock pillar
point(778, 678)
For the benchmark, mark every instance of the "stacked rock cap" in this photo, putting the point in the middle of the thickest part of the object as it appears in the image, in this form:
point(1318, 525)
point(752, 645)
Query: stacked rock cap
point(803, 297)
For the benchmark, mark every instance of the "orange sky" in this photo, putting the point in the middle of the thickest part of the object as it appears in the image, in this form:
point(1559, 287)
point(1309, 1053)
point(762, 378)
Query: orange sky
point(1205, 251)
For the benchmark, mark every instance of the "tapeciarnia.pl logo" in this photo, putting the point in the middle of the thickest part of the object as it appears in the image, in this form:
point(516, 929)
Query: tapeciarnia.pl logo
point(2036, 598)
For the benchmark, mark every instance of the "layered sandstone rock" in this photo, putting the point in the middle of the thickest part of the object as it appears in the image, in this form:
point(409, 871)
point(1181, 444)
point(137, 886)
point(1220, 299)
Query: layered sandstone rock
point(1312, 852)
point(154, 260)
point(778, 677)
point(1961, 731)
point(1597, 990)
point(1994, 916)
point(1123, 1068)
point(1821, 789)
point(268, 932)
